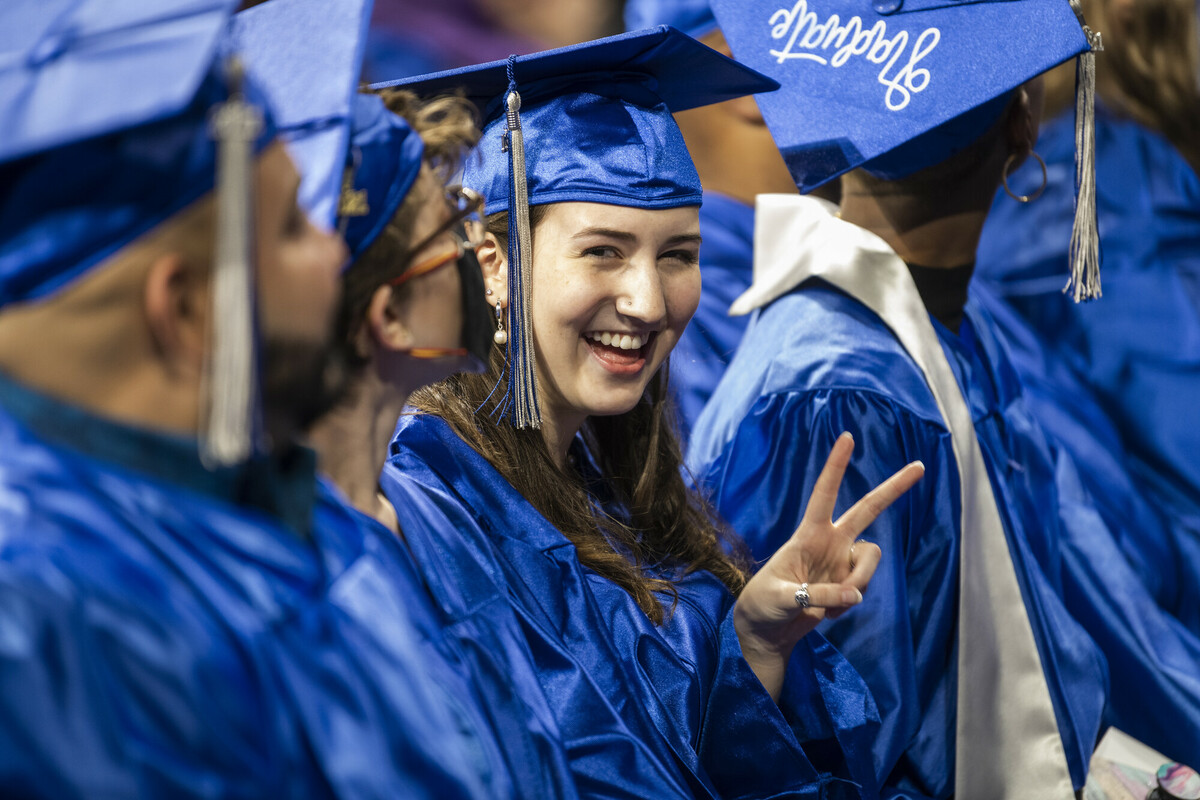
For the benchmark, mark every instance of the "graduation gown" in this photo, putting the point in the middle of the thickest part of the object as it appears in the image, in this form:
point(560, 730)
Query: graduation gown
point(643, 711)
point(815, 362)
point(1138, 347)
point(173, 632)
point(711, 338)
point(1115, 584)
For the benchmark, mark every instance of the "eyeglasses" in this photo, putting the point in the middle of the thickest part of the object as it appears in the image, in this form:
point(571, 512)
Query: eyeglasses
point(461, 246)
point(466, 206)
point(466, 211)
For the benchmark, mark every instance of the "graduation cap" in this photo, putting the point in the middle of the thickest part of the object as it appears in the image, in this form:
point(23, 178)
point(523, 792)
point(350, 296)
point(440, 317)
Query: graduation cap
point(384, 162)
point(117, 116)
point(356, 158)
point(307, 56)
point(586, 123)
point(693, 17)
point(894, 86)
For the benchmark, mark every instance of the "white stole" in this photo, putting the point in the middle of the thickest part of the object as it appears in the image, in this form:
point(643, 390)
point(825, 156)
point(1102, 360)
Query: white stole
point(1007, 741)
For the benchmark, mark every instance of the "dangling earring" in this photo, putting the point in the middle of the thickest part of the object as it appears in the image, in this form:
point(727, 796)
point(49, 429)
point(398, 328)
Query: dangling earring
point(500, 337)
point(1024, 198)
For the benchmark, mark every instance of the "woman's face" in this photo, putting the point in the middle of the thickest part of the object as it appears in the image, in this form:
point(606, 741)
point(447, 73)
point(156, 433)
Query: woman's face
point(431, 304)
point(612, 290)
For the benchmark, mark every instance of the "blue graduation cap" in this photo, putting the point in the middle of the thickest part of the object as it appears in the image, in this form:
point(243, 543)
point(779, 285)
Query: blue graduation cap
point(693, 17)
point(894, 86)
point(307, 56)
point(116, 116)
point(357, 159)
point(587, 123)
point(384, 161)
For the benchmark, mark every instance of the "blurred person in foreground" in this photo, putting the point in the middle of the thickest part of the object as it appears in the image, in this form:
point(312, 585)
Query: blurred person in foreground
point(187, 611)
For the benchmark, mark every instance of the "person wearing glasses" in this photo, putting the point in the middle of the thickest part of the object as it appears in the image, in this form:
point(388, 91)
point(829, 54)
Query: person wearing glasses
point(412, 311)
point(670, 670)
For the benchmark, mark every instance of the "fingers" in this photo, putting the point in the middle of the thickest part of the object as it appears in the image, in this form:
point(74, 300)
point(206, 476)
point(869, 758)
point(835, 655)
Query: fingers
point(825, 491)
point(864, 512)
point(826, 595)
point(867, 556)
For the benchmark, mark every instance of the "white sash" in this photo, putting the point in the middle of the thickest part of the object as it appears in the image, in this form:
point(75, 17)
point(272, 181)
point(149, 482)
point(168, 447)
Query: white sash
point(1008, 743)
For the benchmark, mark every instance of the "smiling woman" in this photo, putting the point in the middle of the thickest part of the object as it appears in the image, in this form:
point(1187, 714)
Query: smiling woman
point(560, 467)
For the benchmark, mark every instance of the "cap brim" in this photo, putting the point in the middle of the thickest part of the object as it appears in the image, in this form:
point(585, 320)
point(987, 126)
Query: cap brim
point(89, 69)
point(672, 58)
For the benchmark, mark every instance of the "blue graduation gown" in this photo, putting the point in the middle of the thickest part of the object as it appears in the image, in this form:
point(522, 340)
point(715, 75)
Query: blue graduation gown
point(1112, 588)
point(671, 711)
point(479, 631)
point(816, 362)
point(158, 639)
point(1138, 347)
point(712, 337)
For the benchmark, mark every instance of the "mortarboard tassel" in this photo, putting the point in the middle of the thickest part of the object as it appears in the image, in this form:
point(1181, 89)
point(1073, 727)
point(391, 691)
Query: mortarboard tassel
point(1084, 280)
point(231, 375)
point(522, 399)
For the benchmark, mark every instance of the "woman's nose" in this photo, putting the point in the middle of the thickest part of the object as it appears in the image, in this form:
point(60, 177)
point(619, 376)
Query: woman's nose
point(641, 293)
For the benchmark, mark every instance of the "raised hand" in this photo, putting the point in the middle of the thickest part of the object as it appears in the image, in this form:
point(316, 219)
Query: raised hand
point(822, 569)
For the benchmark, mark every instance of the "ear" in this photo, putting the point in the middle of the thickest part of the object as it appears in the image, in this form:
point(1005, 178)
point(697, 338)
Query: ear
point(494, 263)
point(1022, 123)
point(385, 324)
point(177, 309)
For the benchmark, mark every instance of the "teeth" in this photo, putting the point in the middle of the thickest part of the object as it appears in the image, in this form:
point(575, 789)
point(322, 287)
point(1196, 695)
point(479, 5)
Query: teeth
point(623, 341)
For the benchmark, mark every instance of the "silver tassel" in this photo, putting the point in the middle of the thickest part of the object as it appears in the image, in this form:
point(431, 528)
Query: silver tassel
point(231, 375)
point(525, 382)
point(1084, 280)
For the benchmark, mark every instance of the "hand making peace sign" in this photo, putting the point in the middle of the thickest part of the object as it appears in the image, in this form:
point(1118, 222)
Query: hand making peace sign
point(820, 571)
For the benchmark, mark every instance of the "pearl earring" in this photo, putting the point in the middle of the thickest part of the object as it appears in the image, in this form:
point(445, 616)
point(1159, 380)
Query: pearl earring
point(500, 337)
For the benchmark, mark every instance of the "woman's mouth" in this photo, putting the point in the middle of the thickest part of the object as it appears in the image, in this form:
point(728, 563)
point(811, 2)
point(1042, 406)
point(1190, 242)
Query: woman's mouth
point(620, 352)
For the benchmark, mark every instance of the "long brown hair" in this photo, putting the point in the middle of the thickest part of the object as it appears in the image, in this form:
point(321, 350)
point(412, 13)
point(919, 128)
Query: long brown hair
point(638, 454)
point(1149, 69)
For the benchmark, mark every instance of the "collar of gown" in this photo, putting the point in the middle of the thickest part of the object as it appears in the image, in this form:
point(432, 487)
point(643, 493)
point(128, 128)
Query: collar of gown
point(283, 485)
point(782, 220)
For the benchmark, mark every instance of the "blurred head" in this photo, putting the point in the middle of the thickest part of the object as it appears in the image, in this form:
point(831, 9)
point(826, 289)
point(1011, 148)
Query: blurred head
point(403, 309)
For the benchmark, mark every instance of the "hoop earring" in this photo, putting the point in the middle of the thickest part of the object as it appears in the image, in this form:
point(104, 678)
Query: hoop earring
point(1023, 198)
point(500, 337)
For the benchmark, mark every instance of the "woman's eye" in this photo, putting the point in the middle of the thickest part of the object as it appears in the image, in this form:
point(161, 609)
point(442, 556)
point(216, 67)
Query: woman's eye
point(602, 251)
point(687, 257)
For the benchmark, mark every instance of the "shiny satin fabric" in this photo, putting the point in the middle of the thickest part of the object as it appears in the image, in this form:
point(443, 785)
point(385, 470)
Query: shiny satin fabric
point(643, 711)
point(712, 336)
point(1152, 656)
point(594, 144)
point(159, 642)
point(486, 639)
point(1138, 347)
point(816, 362)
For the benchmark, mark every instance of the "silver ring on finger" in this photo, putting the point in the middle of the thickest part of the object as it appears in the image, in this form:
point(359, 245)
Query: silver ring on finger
point(801, 597)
